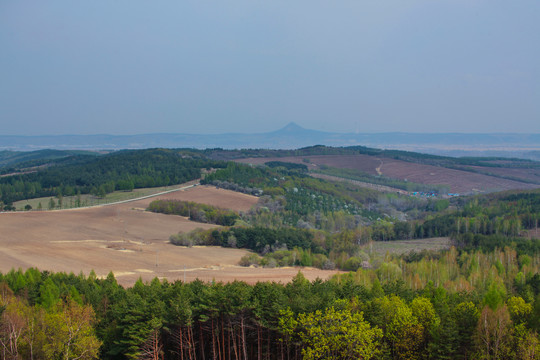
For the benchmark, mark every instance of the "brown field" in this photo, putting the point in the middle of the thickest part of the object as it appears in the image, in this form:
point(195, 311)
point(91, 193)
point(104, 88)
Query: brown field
point(459, 181)
point(208, 195)
point(129, 241)
point(364, 163)
point(532, 175)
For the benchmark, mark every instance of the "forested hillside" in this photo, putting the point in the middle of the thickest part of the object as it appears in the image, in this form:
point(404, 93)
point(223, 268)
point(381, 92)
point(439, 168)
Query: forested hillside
point(299, 194)
point(123, 170)
point(45, 316)
point(479, 298)
point(341, 219)
point(505, 214)
point(11, 161)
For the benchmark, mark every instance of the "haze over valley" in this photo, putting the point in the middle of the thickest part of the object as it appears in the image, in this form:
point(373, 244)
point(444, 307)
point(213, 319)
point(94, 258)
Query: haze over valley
point(292, 136)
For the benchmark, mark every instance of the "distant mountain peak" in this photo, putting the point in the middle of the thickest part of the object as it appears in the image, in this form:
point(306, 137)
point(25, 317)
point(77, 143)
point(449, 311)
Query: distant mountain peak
point(292, 127)
point(293, 130)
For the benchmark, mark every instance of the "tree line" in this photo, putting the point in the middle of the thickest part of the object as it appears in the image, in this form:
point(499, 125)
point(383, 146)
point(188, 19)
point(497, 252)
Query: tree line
point(259, 239)
point(195, 211)
point(122, 170)
point(55, 315)
point(507, 214)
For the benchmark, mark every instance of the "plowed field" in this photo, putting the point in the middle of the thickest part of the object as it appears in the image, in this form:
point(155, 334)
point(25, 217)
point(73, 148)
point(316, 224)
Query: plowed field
point(459, 181)
point(129, 241)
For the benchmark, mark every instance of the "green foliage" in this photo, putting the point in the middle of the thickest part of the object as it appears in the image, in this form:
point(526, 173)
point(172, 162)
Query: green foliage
point(339, 319)
point(259, 239)
point(505, 214)
point(358, 175)
point(304, 198)
point(99, 175)
point(50, 294)
point(526, 343)
point(519, 310)
point(423, 310)
point(337, 334)
point(441, 205)
point(250, 259)
point(494, 297)
point(13, 161)
point(195, 211)
point(403, 333)
point(286, 165)
point(69, 333)
point(422, 305)
point(63, 331)
point(353, 264)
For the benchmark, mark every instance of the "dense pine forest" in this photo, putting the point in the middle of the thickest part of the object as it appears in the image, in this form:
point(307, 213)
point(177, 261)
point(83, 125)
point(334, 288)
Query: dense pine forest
point(477, 299)
point(366, 315)
point(100, 175)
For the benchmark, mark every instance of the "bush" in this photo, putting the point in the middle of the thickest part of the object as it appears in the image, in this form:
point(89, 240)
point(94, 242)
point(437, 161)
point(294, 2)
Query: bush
point(319, 260)
point(352, 264)
point(328, 265)
point(250, 259)
point(181, 240)
point(231, 241)
point(194, 237)
point(271, 263)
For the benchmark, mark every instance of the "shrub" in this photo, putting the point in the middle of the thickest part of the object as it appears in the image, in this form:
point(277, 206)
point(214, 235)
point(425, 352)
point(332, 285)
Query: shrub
point(352, 264)
point(249, 259)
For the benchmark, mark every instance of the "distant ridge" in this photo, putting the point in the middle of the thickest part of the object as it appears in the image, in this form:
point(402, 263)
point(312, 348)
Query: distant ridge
point(293, 136)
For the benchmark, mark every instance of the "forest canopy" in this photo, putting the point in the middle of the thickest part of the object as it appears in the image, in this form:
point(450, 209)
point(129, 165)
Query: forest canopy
point(99, 175)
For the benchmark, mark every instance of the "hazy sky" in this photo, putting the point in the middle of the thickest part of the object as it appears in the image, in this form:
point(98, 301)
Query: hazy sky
point(201, 66)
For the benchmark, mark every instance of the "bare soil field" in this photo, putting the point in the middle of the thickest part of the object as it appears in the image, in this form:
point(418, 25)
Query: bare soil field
point(532, 175)
point(380, 188)
point(363, 163)
point(459, 181)
point(211, 196)
point(206, 195)
point(129, 241)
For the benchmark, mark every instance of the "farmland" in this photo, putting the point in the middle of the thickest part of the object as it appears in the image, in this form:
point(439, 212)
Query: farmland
point(129, 241)
point(87, 200)
point(294, 222)
point(458, 181)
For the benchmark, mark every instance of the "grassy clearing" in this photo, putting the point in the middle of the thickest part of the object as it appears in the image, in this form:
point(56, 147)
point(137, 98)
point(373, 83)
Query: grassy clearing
point(69, 202)
point(406, 246)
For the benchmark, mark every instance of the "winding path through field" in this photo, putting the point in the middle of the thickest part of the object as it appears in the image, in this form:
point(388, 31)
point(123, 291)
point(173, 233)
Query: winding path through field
point(378, 169)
